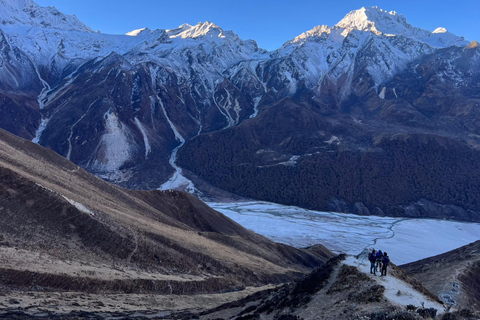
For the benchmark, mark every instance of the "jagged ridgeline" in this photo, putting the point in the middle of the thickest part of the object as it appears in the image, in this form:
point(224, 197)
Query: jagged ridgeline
point(370, 116)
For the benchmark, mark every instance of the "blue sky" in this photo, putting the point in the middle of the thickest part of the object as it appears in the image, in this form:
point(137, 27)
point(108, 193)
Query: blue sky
point(269, 22)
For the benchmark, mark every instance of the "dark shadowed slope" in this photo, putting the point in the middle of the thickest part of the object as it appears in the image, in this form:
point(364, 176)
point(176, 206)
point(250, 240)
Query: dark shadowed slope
point(454, 276)
point(339, 290)
point(64, 229)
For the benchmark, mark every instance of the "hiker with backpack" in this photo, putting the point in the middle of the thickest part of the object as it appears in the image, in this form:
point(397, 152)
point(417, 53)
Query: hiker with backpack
point(379, 258)
point(385, 263)
point(372, 258)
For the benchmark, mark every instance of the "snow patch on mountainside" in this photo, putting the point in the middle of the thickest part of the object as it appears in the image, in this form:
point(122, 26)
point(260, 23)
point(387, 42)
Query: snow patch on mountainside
point(142, 129)
point(79, 206)
point(135, 33)
point(114, 148)
point(440, 30)
point(41, 128)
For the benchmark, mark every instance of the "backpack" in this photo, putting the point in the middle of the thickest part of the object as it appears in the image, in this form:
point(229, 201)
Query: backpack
point(371, 257)
point(386, 261)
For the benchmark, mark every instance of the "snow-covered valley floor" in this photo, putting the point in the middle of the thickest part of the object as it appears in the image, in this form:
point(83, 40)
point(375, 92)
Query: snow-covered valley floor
point(405, 240)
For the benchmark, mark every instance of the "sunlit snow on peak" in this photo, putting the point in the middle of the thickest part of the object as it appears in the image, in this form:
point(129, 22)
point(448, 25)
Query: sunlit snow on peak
point(375, 20)
point(440, 30)
point(381, 23)
point(201, 29)
point(316, 31)
point(135, 33)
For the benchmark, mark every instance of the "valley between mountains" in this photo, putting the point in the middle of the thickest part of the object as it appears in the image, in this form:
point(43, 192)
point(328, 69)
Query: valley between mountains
point(372, 116)
point(346, 137)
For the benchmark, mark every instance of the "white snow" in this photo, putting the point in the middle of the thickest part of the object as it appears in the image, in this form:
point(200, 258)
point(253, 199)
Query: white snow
point(381, 95)
point(135, 33)
point(79, 206)
point(333, 139)
point(291, 162)
point(177, 180)
point(140, 126)
point(426, 237)
point(256, 101)
point(381, 22)
point(41, 128)
point(224, 104)
point(200, 30)
point(396, 290)
point(440, 30)
point(323, 53)
point(329, 52)
point(114, 147)
point(38, 184)
point(406, 240)
point(395, 93)
point(43, 94)
point(27, 12)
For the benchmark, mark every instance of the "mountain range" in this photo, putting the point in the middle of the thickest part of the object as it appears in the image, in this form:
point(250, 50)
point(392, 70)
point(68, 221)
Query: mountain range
point(370, 116)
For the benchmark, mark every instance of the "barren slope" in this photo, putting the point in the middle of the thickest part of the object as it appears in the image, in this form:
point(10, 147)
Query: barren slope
point(63, 229)
point(339, 290)
point(454, 276)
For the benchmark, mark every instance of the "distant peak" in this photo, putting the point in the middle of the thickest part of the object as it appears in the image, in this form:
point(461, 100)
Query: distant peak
point(315, 32)
point(375, 20)
point(205, 29)
point(135, 33)
point(27, 12)
point(380, 23)
point(201, 29)
point(440, 30)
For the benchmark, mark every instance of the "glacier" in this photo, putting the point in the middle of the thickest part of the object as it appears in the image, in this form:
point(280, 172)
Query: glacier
point(406, 240)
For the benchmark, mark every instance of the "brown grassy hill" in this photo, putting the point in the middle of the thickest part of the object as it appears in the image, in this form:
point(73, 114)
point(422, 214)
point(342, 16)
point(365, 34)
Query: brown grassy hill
point(454, 276)
point(63, 229)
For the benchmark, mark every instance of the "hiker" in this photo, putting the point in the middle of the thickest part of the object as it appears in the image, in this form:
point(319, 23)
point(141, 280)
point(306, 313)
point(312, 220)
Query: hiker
point(372, 258)
point(379, 258)
point(385, 263)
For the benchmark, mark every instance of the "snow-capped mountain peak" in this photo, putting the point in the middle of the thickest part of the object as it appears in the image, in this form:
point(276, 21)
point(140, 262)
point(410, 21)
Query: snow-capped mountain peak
point(440, 30)
point(375, 20)
point(200, 30)
point(384, 24)
point(316, 31)
point(136, 32)
point(27, 12)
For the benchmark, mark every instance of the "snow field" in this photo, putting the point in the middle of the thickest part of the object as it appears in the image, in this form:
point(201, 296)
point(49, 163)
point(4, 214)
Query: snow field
point(405, 240)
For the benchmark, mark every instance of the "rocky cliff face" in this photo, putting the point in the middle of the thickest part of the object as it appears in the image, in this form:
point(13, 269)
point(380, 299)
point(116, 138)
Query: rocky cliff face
point(332, 112)
point(409, 150)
